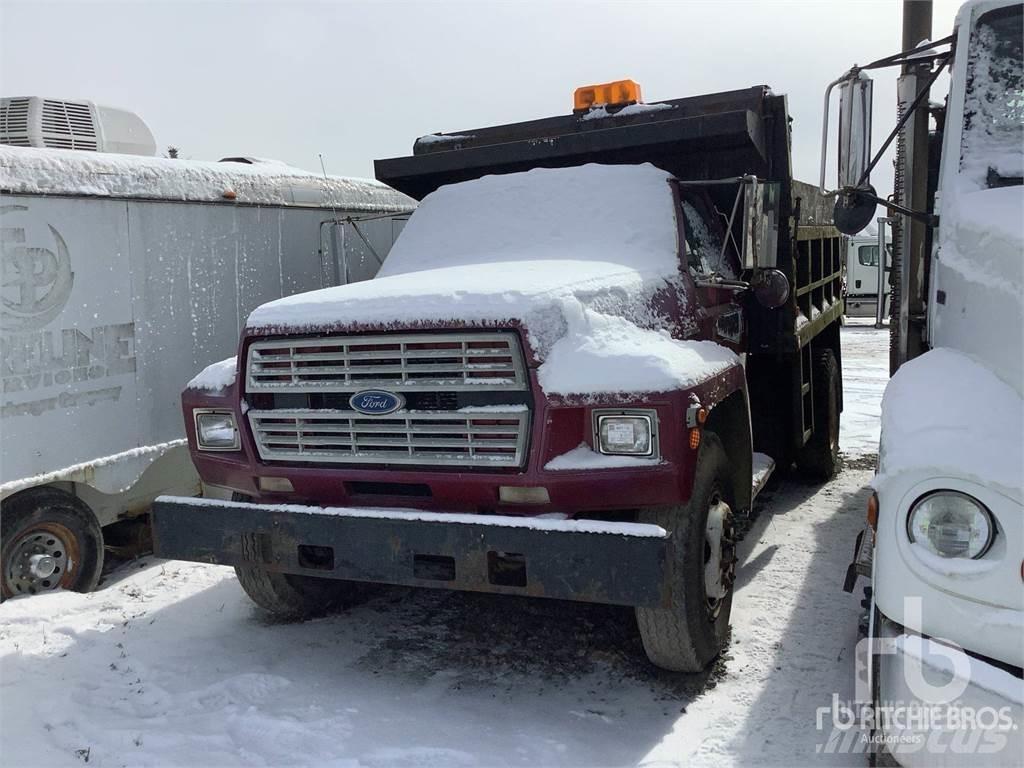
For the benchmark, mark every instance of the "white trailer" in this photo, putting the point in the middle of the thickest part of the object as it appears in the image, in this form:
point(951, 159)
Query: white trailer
point(121, 277)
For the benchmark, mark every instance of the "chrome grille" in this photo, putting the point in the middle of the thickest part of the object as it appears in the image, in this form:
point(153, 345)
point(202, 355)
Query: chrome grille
point(412, 362)
point(492, 436)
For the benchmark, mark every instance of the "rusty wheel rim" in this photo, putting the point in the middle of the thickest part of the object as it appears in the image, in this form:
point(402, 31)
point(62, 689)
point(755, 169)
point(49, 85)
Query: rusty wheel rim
point(42, 558)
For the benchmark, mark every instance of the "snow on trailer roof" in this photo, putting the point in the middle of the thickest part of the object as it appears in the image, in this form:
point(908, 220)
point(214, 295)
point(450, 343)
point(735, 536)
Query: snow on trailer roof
point(260, 182)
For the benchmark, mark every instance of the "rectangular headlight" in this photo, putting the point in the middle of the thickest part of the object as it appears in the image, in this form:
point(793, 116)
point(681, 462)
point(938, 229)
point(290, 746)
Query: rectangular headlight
point(627, 433)
point(216, 430)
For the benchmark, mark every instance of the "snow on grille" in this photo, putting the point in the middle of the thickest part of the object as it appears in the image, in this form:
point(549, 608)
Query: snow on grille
point(414, 362)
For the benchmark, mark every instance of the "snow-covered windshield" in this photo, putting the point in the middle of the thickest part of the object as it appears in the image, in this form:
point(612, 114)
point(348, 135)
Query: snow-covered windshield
point(991, 153)
point(618, 214)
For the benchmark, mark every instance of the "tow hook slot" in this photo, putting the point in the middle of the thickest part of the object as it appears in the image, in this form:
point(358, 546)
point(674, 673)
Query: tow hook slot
point(316, 557)
point(506, 569)
point(433, 567)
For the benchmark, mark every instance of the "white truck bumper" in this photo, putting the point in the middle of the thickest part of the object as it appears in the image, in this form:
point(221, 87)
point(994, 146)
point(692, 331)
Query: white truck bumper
point(982, 725)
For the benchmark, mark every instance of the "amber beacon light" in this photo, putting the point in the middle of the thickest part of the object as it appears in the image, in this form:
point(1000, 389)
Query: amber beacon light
point(618, 93)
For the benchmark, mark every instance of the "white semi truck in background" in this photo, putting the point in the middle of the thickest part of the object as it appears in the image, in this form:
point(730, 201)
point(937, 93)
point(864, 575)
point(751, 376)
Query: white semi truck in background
point(864, 274)
point(123, 275)
point(945, 542)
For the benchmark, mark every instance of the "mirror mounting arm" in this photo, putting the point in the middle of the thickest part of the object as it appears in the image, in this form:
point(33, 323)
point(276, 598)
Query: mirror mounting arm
point(928, 219)
point(907, 114)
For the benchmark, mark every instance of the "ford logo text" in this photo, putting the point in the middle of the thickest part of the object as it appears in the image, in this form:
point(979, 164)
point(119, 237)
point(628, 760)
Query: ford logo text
point(376, 402)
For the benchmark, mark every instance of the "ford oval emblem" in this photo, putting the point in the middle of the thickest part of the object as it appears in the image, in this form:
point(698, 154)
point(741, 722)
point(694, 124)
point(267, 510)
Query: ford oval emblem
point(375, 402)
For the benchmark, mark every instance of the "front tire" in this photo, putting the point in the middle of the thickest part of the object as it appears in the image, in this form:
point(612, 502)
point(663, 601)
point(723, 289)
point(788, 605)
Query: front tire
point(687, 636)
point(48, 540)
point(290, 597)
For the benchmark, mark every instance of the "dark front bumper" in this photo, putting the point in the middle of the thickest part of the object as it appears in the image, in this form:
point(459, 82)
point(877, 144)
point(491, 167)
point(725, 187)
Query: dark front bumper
point(586, 561)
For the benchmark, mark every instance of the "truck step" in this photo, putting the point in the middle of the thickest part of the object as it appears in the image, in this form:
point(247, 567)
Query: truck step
point(763, 466)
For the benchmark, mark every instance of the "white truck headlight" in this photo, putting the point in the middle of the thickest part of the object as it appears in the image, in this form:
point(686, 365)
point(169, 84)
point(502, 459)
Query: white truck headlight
point(951, 524)
point(629, 433)
point(216, 430)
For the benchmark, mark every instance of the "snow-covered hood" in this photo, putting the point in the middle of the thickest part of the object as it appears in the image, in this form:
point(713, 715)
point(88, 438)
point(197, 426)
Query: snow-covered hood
point(529, 292)
point(946, 412)
point(593, 324)
point(575, 256)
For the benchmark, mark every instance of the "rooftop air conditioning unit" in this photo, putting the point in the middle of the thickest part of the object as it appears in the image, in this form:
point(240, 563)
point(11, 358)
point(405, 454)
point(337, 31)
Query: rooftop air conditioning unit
point(32, 121)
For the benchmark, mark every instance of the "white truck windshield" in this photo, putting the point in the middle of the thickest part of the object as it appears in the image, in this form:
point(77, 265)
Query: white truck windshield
point(993, 132)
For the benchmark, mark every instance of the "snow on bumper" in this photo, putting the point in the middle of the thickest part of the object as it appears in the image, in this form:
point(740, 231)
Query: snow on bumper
point(581, 560)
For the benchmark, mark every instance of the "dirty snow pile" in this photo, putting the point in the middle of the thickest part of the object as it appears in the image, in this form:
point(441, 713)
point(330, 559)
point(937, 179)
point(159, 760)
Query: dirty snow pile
point(577, 255)
point(216, 376)
point(25, 170)
point(978, 435)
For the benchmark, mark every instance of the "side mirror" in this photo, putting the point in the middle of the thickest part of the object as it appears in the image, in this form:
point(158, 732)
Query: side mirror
point(856, 202)
point(771, 288)
point(855, 92)
point(854, 129)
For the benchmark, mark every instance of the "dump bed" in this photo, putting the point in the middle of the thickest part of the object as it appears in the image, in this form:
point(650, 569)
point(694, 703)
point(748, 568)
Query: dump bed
point(702, 137)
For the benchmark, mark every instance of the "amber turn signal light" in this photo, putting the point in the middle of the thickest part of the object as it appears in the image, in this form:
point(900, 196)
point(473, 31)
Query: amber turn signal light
point(616, 93)
point(873, 511)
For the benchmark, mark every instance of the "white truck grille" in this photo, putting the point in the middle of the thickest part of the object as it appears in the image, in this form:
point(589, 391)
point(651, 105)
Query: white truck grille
point(410, 363)
point(492, 436)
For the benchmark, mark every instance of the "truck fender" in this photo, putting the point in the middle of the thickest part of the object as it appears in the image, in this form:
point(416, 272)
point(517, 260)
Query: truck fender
point(729, 419)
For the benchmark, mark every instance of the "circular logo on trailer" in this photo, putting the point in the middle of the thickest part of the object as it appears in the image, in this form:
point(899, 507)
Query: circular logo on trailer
point(375, 402)
point(36, 281)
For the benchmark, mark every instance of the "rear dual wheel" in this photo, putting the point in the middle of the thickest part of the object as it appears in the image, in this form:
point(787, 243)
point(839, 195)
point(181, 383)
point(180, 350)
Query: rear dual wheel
point(819, 458)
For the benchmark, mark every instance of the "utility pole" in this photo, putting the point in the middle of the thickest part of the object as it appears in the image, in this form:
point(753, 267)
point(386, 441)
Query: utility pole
point(911, 238)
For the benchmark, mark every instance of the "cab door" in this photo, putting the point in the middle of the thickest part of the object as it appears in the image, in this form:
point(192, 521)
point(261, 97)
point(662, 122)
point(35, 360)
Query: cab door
point(712, 262)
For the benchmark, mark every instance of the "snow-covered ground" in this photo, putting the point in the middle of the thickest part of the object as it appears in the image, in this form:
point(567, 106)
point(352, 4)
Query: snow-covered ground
point(865, 351)
point(170, 664)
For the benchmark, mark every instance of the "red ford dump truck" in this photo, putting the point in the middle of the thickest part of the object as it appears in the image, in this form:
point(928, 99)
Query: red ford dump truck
point(556, 384)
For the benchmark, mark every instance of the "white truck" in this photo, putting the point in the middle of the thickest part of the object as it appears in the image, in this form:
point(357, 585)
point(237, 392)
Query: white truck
point(862, 276)
point(121, 276)
point(945, 543)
